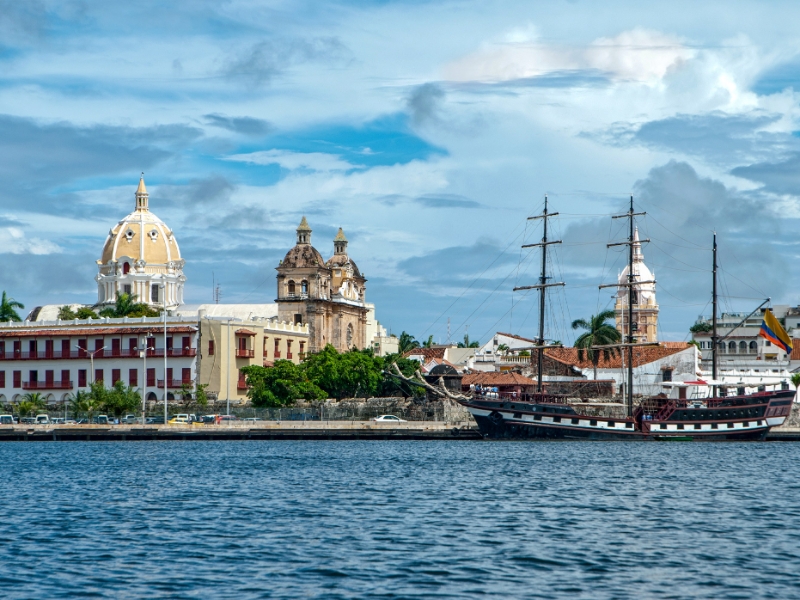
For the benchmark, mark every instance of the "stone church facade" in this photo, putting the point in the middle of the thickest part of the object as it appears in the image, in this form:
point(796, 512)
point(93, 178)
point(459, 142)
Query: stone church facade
point(329, 295)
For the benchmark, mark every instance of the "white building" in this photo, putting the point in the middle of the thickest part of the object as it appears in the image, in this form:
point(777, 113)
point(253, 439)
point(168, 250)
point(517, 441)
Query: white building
point(141, 257)
point(645, 307)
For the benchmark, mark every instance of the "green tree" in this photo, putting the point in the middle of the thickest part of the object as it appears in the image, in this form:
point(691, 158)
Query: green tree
point(120, 399)
point(406, 342)
point(84, 312)
point(428, 343)
point(467, 344)
point(598, 333)
point(357, 373)
point(65, 313)
point(279, 385)
point(84, 403)
point(796, 380)
point(7, 309)
point(700, 326)
point(392, 386)
point(525, 353)
point(503, 349)
point(126, 305)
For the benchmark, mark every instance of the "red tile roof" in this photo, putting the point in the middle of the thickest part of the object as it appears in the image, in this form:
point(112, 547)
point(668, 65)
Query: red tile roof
point(641, 355)
point(517, 337)
point(244, 332)
point(426, 353)
point(94, 331)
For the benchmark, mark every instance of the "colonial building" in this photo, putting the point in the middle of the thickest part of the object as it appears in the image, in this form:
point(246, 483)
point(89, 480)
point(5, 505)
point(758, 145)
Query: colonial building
point(141, 257)
point(645, 308)
point(329, 296)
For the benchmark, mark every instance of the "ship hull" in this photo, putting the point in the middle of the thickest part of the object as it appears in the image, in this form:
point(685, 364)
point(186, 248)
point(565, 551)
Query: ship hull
point(742, 418)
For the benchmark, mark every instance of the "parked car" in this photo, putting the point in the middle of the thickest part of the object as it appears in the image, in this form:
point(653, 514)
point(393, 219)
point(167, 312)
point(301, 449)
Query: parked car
point(182, 418)
point(155, 420)
point(28, 421)
point(7, 420)
point(42, 420)
point(389, 419)
point(101, 420)
point(130, 419)
point(58, 421)
point(252, 419)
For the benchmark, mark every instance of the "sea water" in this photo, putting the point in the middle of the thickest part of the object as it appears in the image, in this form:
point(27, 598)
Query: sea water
point(399, 520)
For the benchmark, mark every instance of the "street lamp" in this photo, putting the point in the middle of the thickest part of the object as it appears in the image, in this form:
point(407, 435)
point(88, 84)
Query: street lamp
point(163, 289)
point(144, 377)
point(91, 357)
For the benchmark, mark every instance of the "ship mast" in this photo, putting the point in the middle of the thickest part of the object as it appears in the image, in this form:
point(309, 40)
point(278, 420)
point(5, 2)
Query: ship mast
point(542, 287)
point(628, 343)
point(714, 314)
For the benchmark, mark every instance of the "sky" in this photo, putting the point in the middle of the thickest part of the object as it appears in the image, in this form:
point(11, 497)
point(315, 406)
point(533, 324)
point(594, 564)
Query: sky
point(428, 131)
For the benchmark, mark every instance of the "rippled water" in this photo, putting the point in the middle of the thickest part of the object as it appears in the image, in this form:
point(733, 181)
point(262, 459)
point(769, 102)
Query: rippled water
point(399, 519)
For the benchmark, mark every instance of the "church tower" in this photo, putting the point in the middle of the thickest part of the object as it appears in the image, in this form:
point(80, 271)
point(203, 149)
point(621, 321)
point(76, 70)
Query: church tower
point(141, 257)
point(645, 308)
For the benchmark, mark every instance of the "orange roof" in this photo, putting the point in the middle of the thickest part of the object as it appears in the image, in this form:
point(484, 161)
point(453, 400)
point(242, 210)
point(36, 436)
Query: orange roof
point(244, 332)
point(426, 353)
point(496, 378)
point(9, 333)
point(641, 355)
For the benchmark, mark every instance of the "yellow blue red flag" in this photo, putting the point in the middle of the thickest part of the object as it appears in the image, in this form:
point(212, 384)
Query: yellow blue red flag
point(771, 329)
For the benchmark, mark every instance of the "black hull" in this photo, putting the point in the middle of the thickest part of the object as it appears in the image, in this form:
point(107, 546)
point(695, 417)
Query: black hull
point(513, 431)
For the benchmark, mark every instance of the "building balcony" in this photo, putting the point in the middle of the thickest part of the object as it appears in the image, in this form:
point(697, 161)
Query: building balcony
point(85, 354)
point(295, 296)
point(240, 353)
point(175, 383)
point(46, 385)
point(277, 353)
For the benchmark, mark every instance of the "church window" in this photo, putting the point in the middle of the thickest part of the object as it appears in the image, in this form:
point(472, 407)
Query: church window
point(304, 288)
point(127, 288)
point(291, 289)
point(742, 347)
point(153, 293)
point(732, 347)
point(129, 235)
point(753, 348)
point(153, 234)
point(126, 268)
point(298, 319)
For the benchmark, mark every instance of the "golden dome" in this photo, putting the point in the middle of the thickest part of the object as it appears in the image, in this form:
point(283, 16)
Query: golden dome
point(141, 236)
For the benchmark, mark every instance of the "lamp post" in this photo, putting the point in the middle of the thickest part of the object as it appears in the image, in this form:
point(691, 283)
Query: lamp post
point(144, 378)
point(91, 357)
point(163, 289)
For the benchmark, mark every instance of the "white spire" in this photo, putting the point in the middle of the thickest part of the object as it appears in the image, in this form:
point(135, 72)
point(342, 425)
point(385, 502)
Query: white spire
point(637, 247)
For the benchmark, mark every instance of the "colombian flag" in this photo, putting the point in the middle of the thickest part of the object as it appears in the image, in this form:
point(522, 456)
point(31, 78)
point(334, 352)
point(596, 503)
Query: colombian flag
point(771, 329)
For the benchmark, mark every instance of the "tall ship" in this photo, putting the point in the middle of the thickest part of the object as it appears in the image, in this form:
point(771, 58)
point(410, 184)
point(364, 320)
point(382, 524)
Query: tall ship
point(690, 410)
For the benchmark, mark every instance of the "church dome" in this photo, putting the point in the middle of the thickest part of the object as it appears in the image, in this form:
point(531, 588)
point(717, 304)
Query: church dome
point(646, 291)
point(141, 236)
point(141, 257)
point(342, 260)
point(303, 254)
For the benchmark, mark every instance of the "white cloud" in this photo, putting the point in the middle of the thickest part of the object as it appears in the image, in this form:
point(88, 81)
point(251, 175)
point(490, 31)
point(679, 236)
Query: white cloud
point(311, 161)
point(14, 241)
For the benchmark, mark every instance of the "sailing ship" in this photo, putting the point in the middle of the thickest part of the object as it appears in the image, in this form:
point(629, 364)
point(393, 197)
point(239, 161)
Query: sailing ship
point(694, 410)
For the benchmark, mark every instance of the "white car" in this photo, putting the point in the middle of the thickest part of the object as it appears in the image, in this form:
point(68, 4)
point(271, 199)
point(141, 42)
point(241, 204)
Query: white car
point(389, 419)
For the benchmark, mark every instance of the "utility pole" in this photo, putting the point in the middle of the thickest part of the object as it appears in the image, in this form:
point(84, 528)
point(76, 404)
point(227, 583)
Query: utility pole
point(542, 287)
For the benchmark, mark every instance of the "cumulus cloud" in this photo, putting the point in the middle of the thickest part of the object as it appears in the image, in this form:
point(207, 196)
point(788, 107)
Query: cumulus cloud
point(14, 241)
point(636, 55)
point(286, 159)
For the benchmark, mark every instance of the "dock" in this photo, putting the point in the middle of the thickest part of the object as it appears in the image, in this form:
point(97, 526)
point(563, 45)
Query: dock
point(266, 430)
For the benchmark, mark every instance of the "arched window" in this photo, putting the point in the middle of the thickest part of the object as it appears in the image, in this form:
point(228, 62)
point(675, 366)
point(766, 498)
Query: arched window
point(126, 268)
point(291, 288)
point(304, 288)
point(721, 347)
point(732, 347)
point(743, 347)
point(753, 348)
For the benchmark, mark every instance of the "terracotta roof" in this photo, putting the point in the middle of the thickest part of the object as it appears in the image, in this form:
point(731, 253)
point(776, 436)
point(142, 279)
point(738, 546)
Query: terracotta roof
point(244, 332)
point(642, 355)
point(426, 353)
point(496, 378)
point(16, 333)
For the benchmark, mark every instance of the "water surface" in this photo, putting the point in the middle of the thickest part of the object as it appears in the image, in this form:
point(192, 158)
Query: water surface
point(399, 520)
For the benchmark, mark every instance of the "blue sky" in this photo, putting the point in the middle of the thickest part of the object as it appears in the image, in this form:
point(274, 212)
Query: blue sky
point(429, 131)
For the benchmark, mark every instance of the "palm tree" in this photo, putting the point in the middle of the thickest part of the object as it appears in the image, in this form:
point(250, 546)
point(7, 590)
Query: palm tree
point(406, 343)
point(428, 343)
point(7, 306)
point(598, 333)
point(466, 343)
point(502, 349)
point(126, 305)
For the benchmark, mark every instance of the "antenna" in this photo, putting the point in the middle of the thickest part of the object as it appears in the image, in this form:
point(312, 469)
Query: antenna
point(542, 287)
point(448, 330)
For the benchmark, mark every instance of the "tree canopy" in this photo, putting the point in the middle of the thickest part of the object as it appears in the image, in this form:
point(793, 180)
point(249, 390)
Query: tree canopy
point(468, 344)
point(126, 305)
point(598, 333)
point(7, 309)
